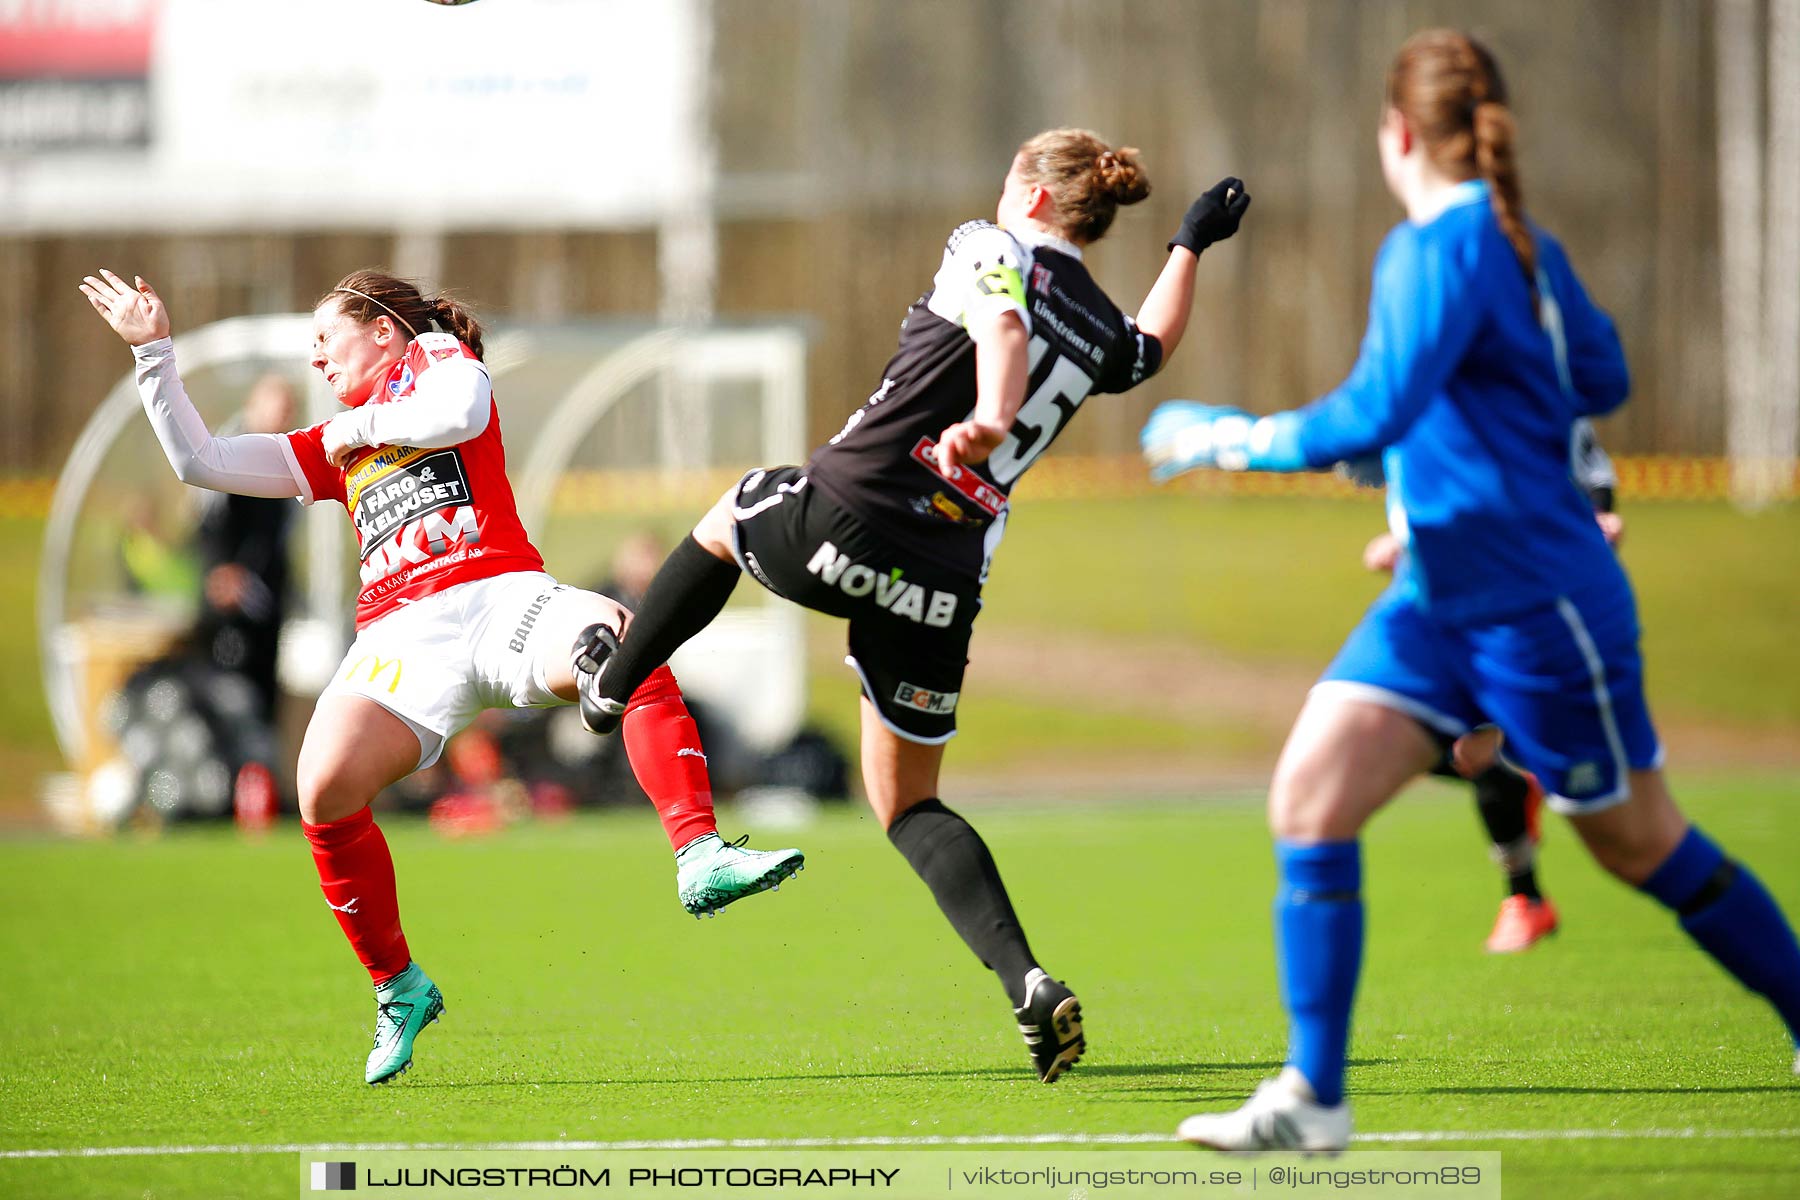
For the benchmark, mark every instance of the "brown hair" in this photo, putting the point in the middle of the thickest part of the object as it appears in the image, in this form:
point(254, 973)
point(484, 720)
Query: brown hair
point(364, 295)
point(1087, 179)
point(1447, 86)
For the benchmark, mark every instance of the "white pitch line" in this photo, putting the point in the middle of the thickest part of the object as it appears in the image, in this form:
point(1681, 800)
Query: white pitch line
point(1395, 1137)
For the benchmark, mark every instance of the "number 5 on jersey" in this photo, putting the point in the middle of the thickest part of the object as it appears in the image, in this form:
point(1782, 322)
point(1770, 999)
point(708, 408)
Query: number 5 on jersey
point(1051, 405)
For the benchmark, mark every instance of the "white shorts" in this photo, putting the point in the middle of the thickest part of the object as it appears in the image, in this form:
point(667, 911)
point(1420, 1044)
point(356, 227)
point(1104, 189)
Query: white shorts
point(438, 662)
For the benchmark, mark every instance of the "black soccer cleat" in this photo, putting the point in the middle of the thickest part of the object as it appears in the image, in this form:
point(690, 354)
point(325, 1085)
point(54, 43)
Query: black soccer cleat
point(1050, 1022)
point(593, 646)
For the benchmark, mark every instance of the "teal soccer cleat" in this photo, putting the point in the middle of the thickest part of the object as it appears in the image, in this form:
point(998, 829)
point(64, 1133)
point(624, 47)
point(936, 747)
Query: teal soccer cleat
point(711, 873)
point(406, 1004)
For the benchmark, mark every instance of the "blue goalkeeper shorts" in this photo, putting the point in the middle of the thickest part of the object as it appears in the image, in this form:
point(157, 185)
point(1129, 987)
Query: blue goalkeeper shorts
point(1563, 682)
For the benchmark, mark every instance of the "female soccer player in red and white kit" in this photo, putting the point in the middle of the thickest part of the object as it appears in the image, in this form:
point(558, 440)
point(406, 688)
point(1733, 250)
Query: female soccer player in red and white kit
point(455, 615)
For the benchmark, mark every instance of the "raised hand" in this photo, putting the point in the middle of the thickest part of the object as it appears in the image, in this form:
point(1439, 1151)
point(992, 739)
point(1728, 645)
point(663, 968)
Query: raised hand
point(136, 314)
point(1214, 216)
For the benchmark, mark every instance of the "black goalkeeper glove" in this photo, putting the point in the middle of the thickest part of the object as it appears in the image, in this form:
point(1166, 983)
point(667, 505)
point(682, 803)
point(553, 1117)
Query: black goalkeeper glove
point(1214, 216)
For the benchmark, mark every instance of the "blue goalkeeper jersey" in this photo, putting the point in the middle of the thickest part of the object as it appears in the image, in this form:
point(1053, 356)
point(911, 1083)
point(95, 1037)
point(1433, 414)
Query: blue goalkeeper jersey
point(1469, 394)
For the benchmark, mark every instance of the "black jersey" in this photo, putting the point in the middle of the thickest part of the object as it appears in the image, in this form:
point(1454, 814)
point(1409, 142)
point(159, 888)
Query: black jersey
point(881, 466)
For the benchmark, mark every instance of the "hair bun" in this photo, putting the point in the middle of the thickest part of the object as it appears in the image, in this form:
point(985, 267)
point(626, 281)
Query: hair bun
point(1121, 176)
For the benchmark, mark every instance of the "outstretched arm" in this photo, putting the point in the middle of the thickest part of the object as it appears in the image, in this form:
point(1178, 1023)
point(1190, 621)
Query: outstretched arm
point(1211, 218)
point(251, 464)
point(1423, 311)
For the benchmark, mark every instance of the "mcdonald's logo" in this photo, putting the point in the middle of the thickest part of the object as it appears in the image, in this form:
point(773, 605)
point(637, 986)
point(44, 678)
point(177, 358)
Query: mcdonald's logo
point(379, 665)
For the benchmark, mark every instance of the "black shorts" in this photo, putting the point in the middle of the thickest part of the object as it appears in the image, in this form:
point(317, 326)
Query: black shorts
point(910, 619)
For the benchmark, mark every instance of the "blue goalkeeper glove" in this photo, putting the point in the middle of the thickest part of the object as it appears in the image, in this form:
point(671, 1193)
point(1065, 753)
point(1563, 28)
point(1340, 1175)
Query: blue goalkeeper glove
point(1182, 435)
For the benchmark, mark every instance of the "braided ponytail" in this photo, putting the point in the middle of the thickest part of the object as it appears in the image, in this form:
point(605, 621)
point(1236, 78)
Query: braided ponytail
point(1494, 137)
point(1448, 87)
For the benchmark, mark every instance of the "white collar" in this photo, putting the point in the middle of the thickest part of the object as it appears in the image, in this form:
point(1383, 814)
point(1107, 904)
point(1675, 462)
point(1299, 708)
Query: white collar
point(1467, 192)
point(1034, 238)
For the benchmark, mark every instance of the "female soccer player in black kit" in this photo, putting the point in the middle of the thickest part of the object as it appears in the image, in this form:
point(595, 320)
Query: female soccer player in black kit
point(892, 524)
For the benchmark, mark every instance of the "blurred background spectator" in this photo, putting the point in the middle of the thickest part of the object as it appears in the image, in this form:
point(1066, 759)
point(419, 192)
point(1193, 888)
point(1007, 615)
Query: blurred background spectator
point(243, 545)
point(195, 726)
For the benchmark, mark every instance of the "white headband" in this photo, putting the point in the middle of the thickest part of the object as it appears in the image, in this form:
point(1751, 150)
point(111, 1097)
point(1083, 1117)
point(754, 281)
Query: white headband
point(378, 304)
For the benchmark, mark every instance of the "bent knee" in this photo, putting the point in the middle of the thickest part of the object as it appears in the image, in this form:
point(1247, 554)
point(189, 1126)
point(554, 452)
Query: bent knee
point(1630, 859)
point(596, 607)
point(1631, 854)
point(331, 787)
point(1633, 839)
point(1309, 801)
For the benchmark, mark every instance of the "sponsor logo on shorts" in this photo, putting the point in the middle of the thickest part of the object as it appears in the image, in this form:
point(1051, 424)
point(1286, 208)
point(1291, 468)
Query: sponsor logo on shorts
point(1582, 777)
point(527, 622)
point(377, 667)
point(925, 700)
point(885, 589)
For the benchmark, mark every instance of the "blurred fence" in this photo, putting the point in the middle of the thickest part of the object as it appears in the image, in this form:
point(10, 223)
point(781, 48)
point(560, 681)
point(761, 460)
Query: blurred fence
point(1059, 476)
point(852, 135)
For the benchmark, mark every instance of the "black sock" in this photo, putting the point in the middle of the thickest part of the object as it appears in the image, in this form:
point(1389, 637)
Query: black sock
point(1523, 883)
point(688, 591)
point(1500, 798)
point(954, 862)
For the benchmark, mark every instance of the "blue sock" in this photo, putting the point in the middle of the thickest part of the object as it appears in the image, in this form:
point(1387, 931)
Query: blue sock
point(1728, 911)
point(1318, 946)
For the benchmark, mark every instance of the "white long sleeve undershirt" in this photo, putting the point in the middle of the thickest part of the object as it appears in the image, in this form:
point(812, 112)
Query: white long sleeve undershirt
point(449, 405)
point(248, 464)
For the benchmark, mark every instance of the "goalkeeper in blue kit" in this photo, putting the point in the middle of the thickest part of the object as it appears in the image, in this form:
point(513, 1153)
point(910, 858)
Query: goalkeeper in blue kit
point(1482, 350)
point(1509, 800)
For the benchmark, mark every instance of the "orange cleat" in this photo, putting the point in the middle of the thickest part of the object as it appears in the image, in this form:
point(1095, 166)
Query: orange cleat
point(1522, 923)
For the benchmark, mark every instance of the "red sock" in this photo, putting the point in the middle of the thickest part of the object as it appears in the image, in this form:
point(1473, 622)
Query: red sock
point(664, 749)
point(356, 873)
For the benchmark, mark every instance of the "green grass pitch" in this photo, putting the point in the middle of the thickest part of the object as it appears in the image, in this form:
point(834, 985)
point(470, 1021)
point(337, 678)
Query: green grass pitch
point(194, 990)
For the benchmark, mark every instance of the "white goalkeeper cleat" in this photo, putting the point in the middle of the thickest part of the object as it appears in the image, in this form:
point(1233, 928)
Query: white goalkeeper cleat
point(1284, 1114)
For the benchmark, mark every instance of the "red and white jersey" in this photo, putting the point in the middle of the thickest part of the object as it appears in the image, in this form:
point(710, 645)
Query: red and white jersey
point(425, 520)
